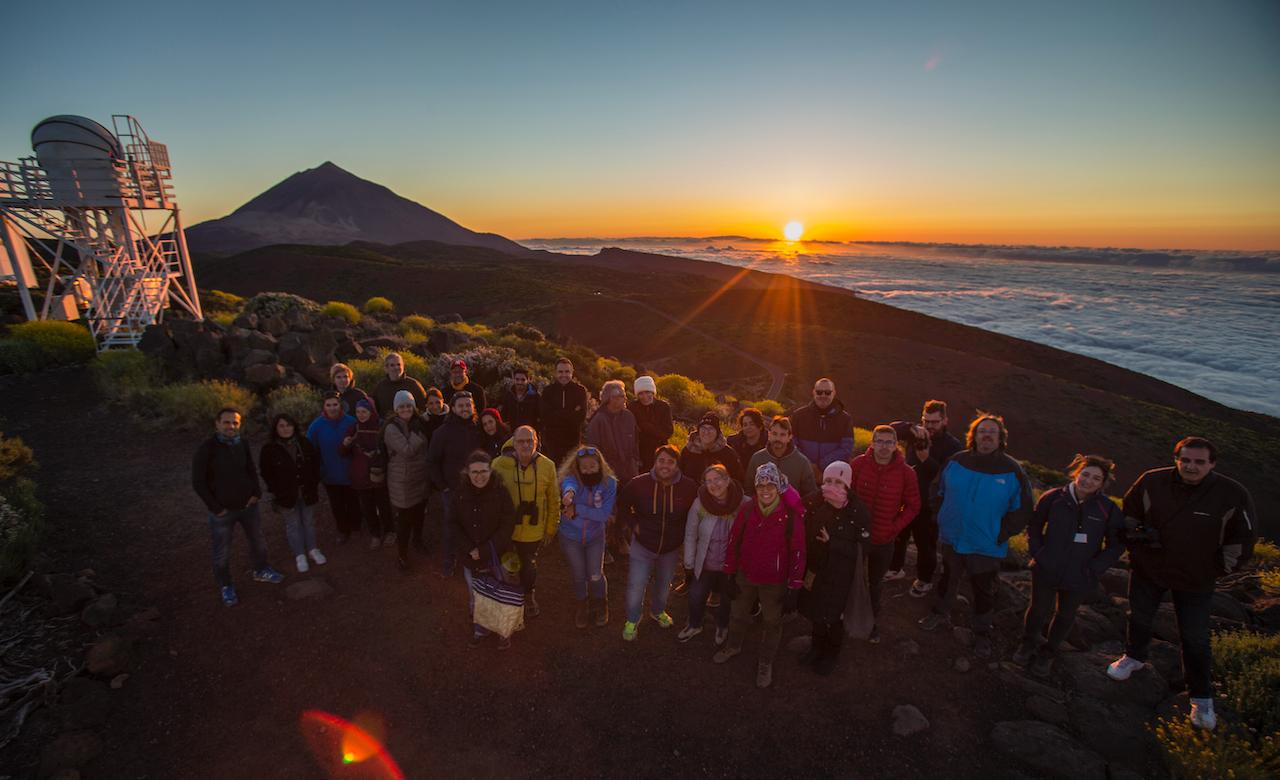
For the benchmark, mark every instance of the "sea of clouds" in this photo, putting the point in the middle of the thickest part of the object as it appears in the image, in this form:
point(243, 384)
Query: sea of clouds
point(1208, 321)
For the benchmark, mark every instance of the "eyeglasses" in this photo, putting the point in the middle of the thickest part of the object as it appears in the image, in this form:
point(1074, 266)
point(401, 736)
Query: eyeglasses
point(824, 392)
point(587, 452)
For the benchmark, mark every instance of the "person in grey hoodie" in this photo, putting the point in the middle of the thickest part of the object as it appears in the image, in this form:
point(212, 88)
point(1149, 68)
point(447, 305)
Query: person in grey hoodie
point(781, 451)
point(612, 430)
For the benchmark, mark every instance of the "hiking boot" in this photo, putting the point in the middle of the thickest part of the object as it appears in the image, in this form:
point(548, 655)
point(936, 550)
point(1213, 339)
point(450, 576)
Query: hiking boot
point(874, 637)
point(688, 632)
point(602, 613)
point(725, 653)
point(317, 557)
point(662, 619)
point(920, 589)
point(229, 598)
point(581, 614)
point(375, 542)
point(764, 675)
point(531, 605)
point(268, 574)
point(982, 646)
point(1202, 715)
point(1041, 665)
point(301, 562)
point(629, 631)
point(1123, 667)
point(1022, 656)
point(893, 575)
point(721, 635)
point(933, 621)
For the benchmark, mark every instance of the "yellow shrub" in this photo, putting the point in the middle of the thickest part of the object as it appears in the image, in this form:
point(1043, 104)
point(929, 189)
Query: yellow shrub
point(378, 305)
point(123, 373)
point(689, 398)
point(342, 311)
point(415, 323)
point(60, 343)
point(1266, 554)
point(192, 405)
point(369, 371)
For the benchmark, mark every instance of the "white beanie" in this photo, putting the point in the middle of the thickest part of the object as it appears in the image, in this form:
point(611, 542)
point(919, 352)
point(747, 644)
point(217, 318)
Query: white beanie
point(644, 383)
point(840, 470)
point(403, 398)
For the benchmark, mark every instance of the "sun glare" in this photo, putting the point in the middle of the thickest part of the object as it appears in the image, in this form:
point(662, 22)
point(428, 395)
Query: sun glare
point(793, 231)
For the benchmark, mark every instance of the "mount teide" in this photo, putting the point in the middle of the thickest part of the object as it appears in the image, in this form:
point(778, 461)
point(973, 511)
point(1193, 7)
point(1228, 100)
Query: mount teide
point(328, 205)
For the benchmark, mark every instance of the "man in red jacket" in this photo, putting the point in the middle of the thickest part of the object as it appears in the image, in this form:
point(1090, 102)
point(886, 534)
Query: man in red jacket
point(887, 485)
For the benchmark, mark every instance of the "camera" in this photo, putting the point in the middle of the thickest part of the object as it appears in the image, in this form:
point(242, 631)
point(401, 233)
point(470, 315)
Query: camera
point(1137, 533)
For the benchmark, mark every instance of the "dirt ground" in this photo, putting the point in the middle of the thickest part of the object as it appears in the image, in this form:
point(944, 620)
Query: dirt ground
point(219, 693)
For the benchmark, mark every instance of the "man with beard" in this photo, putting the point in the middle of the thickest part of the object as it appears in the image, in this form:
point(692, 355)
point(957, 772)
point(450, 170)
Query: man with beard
point(520, 404)
point(564, 409)
point(780, 451)
point(823, 429)
point(459, 381)
point(929, 447)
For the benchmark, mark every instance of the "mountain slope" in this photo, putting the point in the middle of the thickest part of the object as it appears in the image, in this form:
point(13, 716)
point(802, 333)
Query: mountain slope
point(328, 205)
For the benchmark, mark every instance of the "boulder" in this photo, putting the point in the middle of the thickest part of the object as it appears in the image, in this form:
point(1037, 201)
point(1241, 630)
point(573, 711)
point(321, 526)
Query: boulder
point(1086, 674)
point(1091, 628)
point(1166, 657)
point(258, 357)
point(264, 341)
point(1047, 710)
point(1267, 612)
point(1029, 686)
point(908, 720)
point(314, 588)
point(445, 340)
point(961, 664)
point(1115, 582)
point(157, 341)
point(264, 375)
point(1226, 606)
point(800, 644)
point(963, 635)
point(275, 325)
point(100, 612)
point(109, 655)
point(1115, 731)
point(71, 750)
point(1047, 749)
point(347, 349)
point(247, 321)
point(449, 318)
point(68, 593)
point(1165, 624)
point(298, 319)
point(316, 374)
point(382, 342)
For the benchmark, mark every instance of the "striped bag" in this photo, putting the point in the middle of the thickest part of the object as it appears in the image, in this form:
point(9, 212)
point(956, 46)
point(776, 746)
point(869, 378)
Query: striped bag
point(499, 605)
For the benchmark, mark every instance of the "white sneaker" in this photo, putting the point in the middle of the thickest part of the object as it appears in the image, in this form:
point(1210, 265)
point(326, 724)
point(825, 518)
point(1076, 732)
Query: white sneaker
point(893, 575)
point(920, 589)
point(688, 632)
point(301, 560)
point(721, 635)
point(1123, 667)
point(318, 557)
point(1202, 714)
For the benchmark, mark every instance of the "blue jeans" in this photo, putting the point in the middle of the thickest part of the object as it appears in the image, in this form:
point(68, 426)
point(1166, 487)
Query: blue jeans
point(586, 562)
point(220, 531)
point(699, 589)
point(643, 564)
point(300, 527)
point(471, 604)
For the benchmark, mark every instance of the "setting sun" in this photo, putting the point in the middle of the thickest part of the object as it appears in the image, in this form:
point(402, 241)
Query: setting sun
point(793, 231)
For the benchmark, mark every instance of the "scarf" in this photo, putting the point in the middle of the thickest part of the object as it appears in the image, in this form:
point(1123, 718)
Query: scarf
point(231, 440)
point(767, 509)
point(729, 506)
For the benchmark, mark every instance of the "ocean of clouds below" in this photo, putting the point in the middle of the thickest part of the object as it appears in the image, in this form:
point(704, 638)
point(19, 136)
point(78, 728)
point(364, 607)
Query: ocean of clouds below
point(1205, 321)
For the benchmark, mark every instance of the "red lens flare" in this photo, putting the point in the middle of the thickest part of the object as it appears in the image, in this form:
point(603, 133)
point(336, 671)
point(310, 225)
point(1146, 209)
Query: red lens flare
point(347, 750)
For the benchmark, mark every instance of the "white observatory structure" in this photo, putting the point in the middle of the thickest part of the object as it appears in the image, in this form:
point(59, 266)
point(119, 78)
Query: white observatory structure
point(74, 222)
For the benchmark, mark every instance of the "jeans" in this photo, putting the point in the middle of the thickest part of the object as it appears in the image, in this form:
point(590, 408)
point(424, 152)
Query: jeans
point(528, 554)
point(407, 518)
point(983, 583)
point(879, 557)
point(220, 531)
point(586, 564)
point(1192, 611)
point(1043, 598)
point(448, 556)
point(770, 598)
point(643, 564)
point(345, 507)
point(300, 527)
point(925, 531)
point(476, 629)
point(702, 586)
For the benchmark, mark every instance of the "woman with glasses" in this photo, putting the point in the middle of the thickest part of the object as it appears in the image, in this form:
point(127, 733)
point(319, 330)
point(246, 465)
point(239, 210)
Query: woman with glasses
point(588, 491)
point(706, 539)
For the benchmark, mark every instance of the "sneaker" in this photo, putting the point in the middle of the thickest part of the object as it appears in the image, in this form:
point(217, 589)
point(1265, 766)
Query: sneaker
point(229, 598)
point(1202, 714)
point(764, 675)
point(982, 646)
point(1022, 656)
point(725, 653)
point(531, 606)
point(893, 575)
point(920, 589)
point(663, 620)
point(933, 621)
point(504, 643)
point(301, 563)
point(375, 542)
point(268, 574)
point(688, 632)
point(318, 558)
point(874, 638)
point(1123, 667)
point(629, 631)
point(721, 635)
point(1041, 665)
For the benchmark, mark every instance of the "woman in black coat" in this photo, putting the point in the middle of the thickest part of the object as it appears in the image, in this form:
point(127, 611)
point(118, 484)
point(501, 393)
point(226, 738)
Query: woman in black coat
point(484, 519)
point(290, 465)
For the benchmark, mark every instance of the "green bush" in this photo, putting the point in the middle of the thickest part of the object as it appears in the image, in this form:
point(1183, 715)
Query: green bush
point(192, 405)
point(610, 368)
point(223, 318)
point(16, 458)
point(1043, 475)
point(342, 311)
point(679, 438)
point(768, 407)
point(861, 440)
point(1248, 666)
point(689, 398)
point(378, 305)
point(301, 402)
point(217, 300)
point(278, 304)
point(487, 366)
point(123, 373)
point(521, 330)
point(415, 323)
point(21, 513)
point(1194, 754)
point(60, 343)
point(369, 371)
point(19, 357)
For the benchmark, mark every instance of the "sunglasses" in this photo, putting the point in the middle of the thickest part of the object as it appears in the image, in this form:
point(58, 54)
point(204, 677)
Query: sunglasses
point(824, 392)
point(587, 452)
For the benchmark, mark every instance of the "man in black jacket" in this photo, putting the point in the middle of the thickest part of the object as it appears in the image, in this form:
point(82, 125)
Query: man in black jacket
point(451, 445)
point(564, 409)
point(223, 475)
point(521, 404)
point(459, 381)
point(929, 446)
point(384, 394)
point(1191, 526)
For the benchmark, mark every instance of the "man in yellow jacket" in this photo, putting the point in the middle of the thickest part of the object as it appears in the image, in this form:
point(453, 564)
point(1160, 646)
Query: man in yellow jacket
point(531, 480)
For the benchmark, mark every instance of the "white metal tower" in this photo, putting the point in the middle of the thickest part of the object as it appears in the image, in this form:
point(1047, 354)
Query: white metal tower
point(78, 209)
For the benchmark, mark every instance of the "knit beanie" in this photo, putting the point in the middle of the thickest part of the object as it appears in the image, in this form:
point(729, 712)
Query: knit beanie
point(365, 403)
point(840, 470)
point(494, 413)
point(710, 418)
point(403, 398)
point(768, 474)
point(644, 383)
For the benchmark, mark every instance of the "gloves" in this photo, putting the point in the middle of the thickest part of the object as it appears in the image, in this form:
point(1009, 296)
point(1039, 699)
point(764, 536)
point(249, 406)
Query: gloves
point(791, 600)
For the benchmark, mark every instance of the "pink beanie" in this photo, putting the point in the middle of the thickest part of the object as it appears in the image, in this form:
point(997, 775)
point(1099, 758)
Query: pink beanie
point(840, 470)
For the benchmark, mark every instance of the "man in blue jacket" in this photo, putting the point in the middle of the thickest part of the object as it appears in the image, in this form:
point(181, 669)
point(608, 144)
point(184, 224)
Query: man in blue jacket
point(823, 429)
point(983, 498)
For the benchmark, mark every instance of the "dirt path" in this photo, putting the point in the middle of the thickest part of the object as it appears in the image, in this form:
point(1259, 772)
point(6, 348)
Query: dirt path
point(219, 693)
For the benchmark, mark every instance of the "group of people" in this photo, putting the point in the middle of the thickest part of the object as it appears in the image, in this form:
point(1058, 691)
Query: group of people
point(780, 516)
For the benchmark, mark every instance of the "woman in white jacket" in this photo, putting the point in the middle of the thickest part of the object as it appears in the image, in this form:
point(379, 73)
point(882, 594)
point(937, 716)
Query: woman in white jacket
point(706, 537)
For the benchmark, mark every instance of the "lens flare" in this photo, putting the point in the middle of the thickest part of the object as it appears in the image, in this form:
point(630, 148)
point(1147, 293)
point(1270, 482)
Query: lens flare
point(349, 750)
point(793, 231)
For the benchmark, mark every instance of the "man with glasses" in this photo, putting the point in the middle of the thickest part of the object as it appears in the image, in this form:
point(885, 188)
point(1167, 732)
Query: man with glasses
point(1189, 526)
point(823, 429)
point(447, 455)
point(531, 480)
point(929, 446)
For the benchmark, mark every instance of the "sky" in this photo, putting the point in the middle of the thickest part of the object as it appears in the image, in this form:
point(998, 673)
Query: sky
point(1145, 124)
